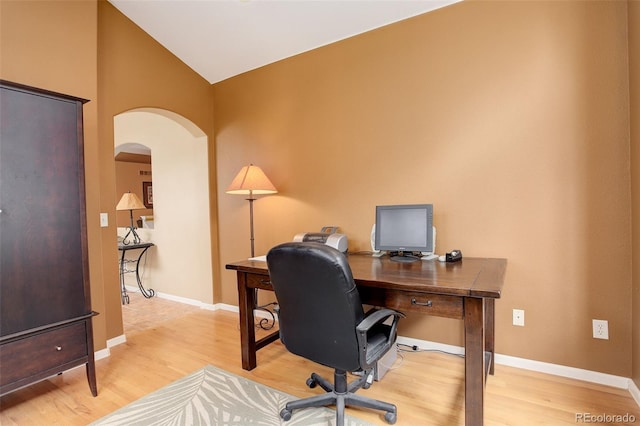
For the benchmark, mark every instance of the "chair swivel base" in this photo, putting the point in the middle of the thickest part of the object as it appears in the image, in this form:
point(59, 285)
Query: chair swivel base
point(342, 397)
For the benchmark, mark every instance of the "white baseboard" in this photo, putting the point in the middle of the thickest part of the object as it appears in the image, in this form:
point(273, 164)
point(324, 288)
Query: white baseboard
point(116, 341)
point(180, 299)
point(564, 371)
point(541, 367)
point(185, 300)
point(635, 392)
point(226, 307)
point(232, 308)
point(430, 346)
point(102, 353)
point(207, 306)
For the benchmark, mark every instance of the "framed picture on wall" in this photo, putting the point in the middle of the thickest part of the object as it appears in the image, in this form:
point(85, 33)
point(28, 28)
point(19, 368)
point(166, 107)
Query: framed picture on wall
point(147, 195)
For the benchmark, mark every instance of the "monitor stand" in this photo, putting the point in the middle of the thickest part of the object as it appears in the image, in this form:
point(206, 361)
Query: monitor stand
point(403, 257)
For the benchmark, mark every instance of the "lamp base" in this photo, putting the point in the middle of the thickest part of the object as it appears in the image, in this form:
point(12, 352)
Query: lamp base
point(134, 235)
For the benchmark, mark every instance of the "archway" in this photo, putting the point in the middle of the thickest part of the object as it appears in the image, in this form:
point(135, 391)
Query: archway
point(181, 263)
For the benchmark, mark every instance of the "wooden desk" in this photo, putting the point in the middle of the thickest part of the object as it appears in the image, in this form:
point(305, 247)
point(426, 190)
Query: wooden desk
point(464, 290)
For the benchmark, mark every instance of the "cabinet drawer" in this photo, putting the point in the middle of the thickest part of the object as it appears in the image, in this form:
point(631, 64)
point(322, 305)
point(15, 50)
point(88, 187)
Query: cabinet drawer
point(39, 353)
point(431, 304)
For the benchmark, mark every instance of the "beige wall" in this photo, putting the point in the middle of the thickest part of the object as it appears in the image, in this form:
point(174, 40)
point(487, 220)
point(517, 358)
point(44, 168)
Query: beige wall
point(136, 72)
point(511, 117)
point(634, 83)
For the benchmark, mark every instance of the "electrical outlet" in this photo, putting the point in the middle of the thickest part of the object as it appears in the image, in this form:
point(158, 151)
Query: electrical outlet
point(601, 329)
point(518, 317)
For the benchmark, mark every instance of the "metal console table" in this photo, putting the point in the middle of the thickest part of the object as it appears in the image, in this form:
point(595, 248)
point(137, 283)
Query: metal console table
point(148, 293)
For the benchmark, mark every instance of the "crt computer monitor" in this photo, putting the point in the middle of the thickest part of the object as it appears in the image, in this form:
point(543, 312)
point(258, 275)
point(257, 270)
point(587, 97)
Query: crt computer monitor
point(402, 230)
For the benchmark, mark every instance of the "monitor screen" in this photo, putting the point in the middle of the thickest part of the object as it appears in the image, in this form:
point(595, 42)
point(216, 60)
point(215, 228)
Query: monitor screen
point(404, 228)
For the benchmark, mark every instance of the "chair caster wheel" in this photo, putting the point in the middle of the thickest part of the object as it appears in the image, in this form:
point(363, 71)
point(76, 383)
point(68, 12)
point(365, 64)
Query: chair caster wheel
point(390, 418)
point(311, 383)
point(285, 414)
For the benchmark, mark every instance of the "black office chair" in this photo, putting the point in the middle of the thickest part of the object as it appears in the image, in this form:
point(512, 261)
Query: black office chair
point(322, 319)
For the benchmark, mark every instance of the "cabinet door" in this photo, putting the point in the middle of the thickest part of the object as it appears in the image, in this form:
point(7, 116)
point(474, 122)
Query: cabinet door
point(42, 219)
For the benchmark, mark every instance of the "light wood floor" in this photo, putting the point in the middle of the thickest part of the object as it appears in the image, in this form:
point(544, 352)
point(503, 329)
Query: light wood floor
point(169, 340)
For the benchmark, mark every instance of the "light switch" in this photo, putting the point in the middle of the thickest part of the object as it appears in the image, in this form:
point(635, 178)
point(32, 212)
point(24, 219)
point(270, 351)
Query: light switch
point(104, 220)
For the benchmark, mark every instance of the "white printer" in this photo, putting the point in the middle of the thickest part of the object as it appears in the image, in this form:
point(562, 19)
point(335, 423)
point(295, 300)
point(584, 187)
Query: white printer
point(332, 239)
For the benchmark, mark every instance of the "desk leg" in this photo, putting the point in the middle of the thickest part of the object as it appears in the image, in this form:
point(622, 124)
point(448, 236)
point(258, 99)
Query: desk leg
point(474, 360)
point(490, 331)
point(246, 302)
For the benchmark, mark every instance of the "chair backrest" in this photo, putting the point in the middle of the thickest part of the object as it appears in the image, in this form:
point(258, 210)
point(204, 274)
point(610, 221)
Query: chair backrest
point(319, 303)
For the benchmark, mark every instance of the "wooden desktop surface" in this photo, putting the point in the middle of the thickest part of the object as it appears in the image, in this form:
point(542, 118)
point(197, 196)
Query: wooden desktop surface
point(473, 276)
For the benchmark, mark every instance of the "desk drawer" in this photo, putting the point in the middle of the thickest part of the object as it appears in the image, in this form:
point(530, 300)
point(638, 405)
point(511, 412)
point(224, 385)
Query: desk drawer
point(35, 354)
point(431, 304)
point(259, 281)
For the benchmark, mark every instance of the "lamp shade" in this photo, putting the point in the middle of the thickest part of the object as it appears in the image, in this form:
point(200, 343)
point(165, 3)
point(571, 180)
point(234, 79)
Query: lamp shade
point(251, 180)
point(130, 201)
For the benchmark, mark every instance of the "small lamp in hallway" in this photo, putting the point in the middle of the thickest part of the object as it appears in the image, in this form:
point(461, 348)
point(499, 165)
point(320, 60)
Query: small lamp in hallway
point(131, 202)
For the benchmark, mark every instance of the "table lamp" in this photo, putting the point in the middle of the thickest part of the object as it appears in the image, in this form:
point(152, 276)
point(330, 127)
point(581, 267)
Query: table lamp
point(251, 181)
point(131, 202)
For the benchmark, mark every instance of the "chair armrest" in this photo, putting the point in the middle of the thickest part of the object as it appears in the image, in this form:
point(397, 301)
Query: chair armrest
point(377, 316)
point(373, 319)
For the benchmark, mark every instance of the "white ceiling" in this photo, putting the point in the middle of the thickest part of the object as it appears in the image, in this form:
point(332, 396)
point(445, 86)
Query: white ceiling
point(222, 38)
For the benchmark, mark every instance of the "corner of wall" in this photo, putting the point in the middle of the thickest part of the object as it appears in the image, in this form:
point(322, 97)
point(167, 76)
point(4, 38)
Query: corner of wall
point(634, 132)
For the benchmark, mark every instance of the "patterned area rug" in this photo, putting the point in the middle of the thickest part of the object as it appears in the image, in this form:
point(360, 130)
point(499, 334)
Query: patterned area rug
point(212, 396)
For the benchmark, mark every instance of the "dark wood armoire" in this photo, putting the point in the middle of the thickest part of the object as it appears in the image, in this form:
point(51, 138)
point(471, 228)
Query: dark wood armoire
point(45, 304)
